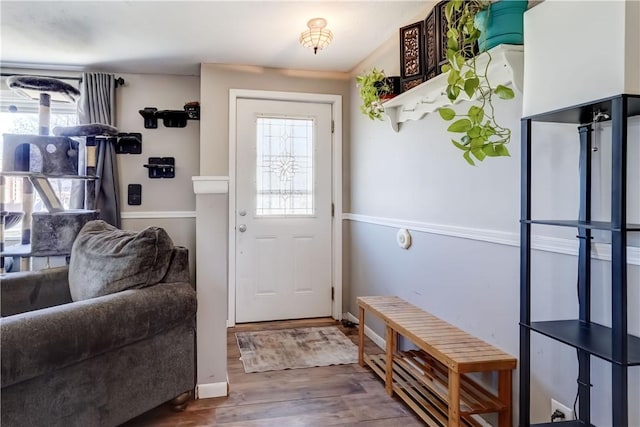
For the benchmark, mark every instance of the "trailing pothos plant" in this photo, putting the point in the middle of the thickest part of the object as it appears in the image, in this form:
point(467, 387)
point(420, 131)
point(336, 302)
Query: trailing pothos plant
point(372, 86)
point(480, 135)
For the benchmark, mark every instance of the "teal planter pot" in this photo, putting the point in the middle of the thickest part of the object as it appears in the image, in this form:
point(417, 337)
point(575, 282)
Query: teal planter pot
point(501, 23)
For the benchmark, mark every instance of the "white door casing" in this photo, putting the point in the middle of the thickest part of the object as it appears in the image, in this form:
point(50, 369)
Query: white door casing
point(336, 103)
point(283, 210)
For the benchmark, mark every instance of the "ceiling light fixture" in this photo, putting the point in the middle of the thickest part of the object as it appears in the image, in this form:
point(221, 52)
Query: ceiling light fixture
point(316, 37)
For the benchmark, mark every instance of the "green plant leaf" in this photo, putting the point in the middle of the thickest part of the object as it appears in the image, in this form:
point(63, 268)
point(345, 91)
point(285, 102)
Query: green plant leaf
point(476, 114)
point(372, 85)
point(460, 126)
point(489, 150)
point(447, 113)
point(470, 86)
point(487, 130)
point(454, 76)
point(457, 144)
point(448, 11)
point(465, 140)
point(504, 92)
point(445, 68)
point(453, 92)
point(451, 58)
point(478, 142)
point(501, 150)
point(478, 153)
point(469, 25)
point(474, 132)
point(467, 157)
point(460, 60)
point(452, 33)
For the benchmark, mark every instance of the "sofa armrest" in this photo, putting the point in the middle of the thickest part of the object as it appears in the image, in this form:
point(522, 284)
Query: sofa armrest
point(45, 340)
point(33, 290)
point(178, 266)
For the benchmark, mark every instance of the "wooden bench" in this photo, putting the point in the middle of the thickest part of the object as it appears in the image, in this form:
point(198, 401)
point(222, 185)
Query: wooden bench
point(432, 380)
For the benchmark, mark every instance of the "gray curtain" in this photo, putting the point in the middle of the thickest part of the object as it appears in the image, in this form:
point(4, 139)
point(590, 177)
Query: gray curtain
point(97, 105)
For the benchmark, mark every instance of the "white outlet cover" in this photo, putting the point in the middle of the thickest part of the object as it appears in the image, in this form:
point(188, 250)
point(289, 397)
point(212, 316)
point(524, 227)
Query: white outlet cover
point(403, 238)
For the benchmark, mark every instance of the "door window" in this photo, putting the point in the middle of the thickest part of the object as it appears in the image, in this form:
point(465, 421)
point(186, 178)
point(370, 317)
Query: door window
point(285, 167)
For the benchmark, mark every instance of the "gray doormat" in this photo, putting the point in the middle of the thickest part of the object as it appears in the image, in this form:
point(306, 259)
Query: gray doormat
point(277, 350)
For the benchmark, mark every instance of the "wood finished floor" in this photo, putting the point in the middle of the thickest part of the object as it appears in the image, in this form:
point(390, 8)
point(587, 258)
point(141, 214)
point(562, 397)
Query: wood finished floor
point(343, 395)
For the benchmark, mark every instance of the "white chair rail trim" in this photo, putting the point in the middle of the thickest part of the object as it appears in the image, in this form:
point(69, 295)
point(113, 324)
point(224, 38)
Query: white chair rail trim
point(601, 251)
point(157, 214)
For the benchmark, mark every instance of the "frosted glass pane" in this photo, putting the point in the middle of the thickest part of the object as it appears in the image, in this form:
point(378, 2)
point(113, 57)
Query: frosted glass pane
point(284, 167)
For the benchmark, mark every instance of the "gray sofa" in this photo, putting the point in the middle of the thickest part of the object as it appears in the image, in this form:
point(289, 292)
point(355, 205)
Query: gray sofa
point(96, 362)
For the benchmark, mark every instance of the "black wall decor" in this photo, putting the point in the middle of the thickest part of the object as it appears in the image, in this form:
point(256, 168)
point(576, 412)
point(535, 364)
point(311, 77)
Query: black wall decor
point(423, 48)
point(170, 118)
point(193, 110)
point(412, 62)
point(438, 39)
point(173, 118)
point(432, 43)
point(161, 167)
point(150, 119)
point(129, 143)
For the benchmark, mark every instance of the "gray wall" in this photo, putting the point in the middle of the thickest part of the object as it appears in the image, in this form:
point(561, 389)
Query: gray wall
point(212, 210)
point(416, 177)
point(161, 198)
point(165, 93)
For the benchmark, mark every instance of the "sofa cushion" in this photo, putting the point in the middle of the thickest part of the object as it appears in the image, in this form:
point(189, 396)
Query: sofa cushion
point(105, 260)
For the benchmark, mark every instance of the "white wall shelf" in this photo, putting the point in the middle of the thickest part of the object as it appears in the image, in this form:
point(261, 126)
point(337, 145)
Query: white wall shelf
point(506, 69)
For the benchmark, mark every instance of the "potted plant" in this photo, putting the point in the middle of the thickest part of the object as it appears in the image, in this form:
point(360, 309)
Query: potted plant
point(375, 87)
point(481, 135)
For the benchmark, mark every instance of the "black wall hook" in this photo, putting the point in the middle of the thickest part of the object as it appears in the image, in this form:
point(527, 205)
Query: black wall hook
point(161, 167)
point(150, 119)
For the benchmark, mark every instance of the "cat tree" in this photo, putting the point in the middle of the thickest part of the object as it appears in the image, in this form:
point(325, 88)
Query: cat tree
point(36, 159)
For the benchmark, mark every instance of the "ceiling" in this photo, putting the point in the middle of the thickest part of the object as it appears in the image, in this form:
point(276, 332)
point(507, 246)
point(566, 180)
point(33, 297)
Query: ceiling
point(174, 37)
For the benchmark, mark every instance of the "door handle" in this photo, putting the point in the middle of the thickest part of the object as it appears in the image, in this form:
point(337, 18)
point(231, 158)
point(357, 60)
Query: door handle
point(242, 228)
point(242, 212)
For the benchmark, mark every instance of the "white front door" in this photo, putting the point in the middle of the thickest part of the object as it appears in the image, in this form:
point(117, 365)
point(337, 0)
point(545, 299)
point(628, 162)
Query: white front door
point(283, 210)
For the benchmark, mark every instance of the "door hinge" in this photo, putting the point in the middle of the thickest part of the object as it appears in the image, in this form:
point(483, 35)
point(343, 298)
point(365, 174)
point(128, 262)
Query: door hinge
point(333, 293)
point(333, 126)
point(333, 210)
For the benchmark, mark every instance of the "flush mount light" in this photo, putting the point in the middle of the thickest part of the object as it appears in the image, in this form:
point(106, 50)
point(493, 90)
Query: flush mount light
point(316, 37)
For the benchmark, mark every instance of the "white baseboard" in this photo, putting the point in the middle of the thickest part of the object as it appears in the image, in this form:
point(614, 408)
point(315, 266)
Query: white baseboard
point(205, 391)
point(377, 339)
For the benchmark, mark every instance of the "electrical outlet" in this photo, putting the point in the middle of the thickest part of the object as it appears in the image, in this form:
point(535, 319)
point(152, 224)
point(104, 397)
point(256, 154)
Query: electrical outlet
point(568, 413)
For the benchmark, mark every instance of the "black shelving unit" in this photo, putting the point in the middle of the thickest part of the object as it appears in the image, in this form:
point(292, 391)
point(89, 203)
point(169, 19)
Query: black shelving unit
point(612, 344)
